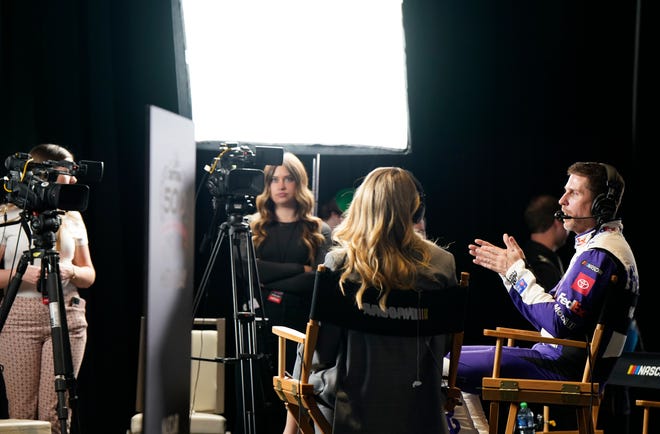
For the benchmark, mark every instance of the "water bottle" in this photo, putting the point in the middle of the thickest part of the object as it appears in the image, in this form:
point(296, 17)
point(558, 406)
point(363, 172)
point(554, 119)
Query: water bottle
point(525, 420)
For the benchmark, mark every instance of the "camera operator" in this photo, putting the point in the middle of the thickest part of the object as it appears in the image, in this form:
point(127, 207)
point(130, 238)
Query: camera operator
point(26, 349)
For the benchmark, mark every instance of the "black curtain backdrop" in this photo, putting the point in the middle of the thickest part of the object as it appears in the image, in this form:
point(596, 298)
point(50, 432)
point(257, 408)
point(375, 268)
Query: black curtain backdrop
point(503, 97)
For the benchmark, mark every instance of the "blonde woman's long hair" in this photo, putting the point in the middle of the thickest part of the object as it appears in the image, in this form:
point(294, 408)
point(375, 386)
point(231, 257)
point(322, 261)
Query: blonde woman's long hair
point(377, 235)
point(311, 234)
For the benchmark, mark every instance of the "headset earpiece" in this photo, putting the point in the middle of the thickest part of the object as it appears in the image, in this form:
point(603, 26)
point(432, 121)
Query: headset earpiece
point(605, 205)
point(421, 209)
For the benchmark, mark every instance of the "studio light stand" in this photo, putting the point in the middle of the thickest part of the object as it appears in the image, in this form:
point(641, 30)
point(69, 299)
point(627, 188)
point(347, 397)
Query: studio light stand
point(237, 229)
point(44, 226)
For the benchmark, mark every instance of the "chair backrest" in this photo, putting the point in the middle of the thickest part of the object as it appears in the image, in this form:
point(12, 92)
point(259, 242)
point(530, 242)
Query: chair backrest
point(428, 311)
point(388, 382)
point(637, 369)
point(423, 312)
point(207, 378)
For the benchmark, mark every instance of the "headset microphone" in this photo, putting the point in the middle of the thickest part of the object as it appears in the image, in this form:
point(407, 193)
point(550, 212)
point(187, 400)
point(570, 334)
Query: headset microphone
point(561, 216)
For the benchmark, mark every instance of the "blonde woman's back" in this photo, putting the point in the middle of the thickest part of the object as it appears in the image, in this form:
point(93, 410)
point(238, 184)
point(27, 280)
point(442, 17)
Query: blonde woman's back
point(372, 383)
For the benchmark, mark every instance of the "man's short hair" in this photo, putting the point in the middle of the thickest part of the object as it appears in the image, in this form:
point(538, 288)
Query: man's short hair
point(540, 212)
point(328, 208)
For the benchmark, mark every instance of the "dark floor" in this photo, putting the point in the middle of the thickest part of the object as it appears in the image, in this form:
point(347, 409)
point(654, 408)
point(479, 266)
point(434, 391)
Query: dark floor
point(618, 414)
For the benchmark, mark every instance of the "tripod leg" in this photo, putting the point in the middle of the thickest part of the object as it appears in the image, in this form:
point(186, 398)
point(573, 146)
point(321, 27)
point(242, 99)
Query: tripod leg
point(243, 260)
point(244, 338)
point(207, 272)
point(12, 288)
point(64, 378)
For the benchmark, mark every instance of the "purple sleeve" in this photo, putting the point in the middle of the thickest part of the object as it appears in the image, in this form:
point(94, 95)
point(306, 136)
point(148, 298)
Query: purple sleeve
point(578, 296)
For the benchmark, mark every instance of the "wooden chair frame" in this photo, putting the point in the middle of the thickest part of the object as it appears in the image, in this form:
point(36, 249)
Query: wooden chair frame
point(298, 395)
point(584, 395)
point(646, 405)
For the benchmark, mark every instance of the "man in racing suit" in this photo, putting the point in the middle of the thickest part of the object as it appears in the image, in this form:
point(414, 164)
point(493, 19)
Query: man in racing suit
point(600, 283)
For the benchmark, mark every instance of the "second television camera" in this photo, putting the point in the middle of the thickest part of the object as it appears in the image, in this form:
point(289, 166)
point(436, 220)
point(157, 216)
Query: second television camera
point(32, 187)
point(234, 176)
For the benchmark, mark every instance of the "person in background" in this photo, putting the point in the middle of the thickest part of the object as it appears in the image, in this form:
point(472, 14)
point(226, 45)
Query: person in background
point(331, 213)
point(547, 235)
point(26, 347)
point(289, 243)
point(377, 246)
point(603, 263)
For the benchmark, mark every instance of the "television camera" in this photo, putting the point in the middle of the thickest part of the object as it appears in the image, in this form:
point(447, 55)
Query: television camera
point(234, 177)
point(32, 187)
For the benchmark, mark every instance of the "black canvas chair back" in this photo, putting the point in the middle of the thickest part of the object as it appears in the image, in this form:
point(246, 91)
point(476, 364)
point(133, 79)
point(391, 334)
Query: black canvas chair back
point(425, 312)
point(410, 313)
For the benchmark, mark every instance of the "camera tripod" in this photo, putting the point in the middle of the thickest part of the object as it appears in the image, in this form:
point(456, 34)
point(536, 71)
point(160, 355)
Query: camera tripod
point(44, 226)
point(237, 229)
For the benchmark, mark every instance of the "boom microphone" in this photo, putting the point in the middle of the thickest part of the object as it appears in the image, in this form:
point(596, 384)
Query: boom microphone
point(559, 215)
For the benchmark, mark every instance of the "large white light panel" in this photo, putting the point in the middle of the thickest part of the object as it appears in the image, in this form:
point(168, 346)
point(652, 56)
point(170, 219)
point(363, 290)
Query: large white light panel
point(298, 71)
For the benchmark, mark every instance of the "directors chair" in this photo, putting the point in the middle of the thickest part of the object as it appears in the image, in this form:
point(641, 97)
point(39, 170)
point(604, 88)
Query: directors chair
point(646, 405)
point(640, 370)
point(412, 313)
point(585, 395)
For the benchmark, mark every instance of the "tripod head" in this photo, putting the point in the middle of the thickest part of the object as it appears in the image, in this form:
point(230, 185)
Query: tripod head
point(44, 226)
point(237, 207)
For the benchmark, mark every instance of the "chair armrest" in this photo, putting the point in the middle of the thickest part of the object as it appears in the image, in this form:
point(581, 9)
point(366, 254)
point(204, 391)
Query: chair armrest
point(289, 333)
point(645, 403)
point(525, 332)
point(531, 336)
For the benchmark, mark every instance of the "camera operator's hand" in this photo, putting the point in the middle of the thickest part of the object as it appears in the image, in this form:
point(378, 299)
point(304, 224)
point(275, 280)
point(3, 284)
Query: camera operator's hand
point(67, 271)
point(32, 274)
point(82, 273)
